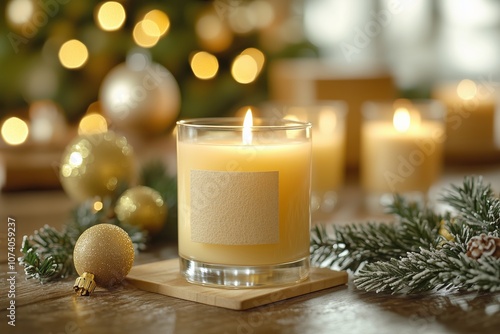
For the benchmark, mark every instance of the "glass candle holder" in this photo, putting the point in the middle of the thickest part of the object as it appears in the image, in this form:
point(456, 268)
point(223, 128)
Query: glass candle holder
point(328, 148)
point(401, 149)
point(243, 201)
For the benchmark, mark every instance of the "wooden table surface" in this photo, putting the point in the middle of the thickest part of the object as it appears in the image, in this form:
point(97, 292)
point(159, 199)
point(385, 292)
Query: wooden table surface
point(53, 308)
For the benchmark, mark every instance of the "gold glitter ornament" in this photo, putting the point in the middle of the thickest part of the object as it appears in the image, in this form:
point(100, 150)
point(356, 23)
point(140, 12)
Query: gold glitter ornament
point(142, 206)
point(103, 256)
point(95, 164)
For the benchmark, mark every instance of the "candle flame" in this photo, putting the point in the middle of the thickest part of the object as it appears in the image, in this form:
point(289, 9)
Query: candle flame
point(401, 120)
point(247, 128)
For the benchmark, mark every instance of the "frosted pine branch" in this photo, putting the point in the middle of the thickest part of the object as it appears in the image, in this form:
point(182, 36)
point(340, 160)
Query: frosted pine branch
point(476, 205)
point(421, 251)
point(350, 246)
point(431, 270)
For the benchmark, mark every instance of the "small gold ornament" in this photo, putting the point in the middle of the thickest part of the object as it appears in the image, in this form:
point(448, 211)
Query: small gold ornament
point(140, 96)
point(444, 231)
point(142, 206)
point(95, 164)
point(103, 256)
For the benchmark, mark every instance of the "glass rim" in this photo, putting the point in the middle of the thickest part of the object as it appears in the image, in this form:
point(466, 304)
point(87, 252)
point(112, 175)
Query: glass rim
point(236, 124)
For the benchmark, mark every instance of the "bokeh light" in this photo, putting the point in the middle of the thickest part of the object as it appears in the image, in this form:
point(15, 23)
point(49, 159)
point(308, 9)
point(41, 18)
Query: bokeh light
point(146, 33)
point(264, 11)
point(160, 19)
point(73, 54)
point(257, 55)
point(92, 123)
point(242, 20)
point(244, 69)
point(14, 131)
point(204, 65)
point(467, 89)
point(213, 33)
point(111, 16)
point(98, 206)
point(19, 12)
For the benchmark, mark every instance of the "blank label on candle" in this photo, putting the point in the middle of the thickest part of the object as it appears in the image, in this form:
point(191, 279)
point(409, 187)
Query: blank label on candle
point(234, 208)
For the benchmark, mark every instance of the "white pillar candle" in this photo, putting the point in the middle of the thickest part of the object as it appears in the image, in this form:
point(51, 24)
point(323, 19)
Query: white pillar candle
point(401, 147)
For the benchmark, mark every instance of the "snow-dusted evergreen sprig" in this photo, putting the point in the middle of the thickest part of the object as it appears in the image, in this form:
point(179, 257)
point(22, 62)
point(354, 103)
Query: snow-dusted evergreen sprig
point(422, 250)
point(47, 254)
point(476, 205)
point(355, 244)
point(447, 268)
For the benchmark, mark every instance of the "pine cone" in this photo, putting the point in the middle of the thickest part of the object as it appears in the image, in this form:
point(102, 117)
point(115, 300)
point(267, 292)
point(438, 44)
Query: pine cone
point(483, 245)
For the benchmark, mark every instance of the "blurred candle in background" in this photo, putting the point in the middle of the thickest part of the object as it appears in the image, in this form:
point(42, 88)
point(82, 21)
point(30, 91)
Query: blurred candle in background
point(328, 148)
point(401, 149)
point(470, 120)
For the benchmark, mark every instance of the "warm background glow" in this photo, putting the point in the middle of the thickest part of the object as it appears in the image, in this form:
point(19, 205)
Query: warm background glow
point(20, 12)
point(146, 33)
point(160, 19)
point(98, 206)
point(14, 131)
point(92, 123)
point(73, 54)
point(213, 33)
point(111, 16)
point(244, 69)
point(257, 55)
point(204, 65)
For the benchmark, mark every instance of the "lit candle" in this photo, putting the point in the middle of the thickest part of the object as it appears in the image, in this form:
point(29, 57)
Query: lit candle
point(470, 120)
point(243, 196)
point(401, 147)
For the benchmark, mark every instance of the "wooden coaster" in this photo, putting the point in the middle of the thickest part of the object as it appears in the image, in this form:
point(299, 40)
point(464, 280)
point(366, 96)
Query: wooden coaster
point(164, 277)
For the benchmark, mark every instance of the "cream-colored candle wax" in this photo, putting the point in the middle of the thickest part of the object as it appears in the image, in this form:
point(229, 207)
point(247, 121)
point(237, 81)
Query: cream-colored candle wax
point(244, 202)
point(470, 133)
point(404, 155)
point(328, 152)
point(328, 148)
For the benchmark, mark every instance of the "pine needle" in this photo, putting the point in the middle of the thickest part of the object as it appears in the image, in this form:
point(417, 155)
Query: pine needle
point(410, 255)
point(48, 253)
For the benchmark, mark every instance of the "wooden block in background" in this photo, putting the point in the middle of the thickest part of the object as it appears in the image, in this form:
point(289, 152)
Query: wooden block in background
point(164, 277)
point(305, 81)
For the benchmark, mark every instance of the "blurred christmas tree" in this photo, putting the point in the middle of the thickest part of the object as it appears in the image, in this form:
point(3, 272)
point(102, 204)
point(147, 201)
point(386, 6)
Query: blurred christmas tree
point(32, 65)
